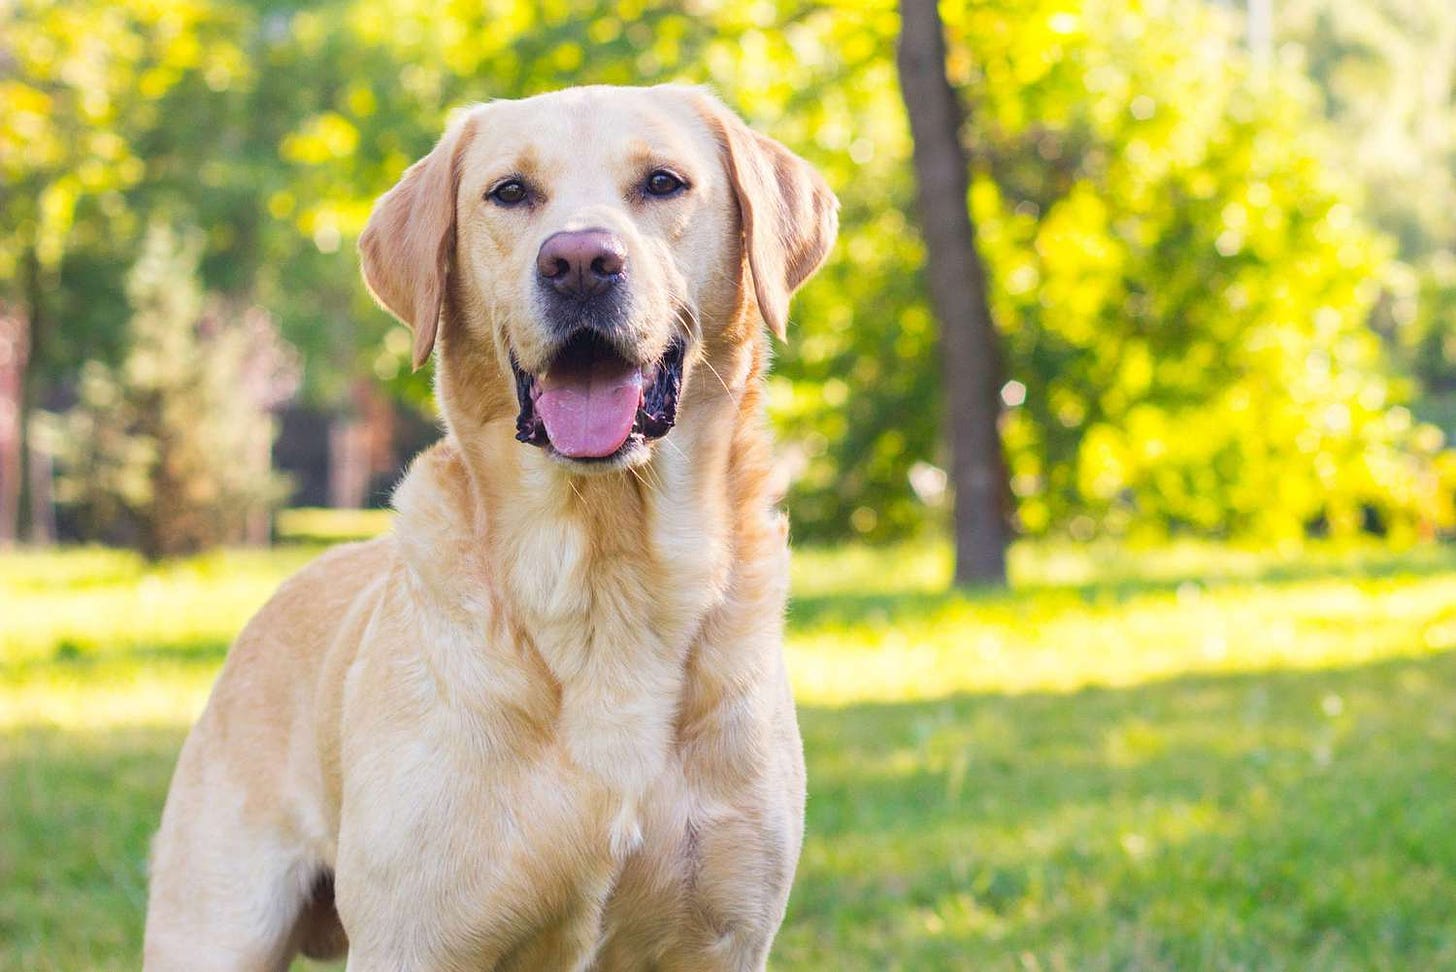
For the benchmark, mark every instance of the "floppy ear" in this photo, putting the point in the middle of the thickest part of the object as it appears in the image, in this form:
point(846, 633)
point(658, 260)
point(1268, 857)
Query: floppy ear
point(790, 217)
point(406, 246)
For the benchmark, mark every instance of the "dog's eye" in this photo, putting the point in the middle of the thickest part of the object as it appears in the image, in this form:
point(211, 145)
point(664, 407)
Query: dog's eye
point(512, 192)
point(663, 183)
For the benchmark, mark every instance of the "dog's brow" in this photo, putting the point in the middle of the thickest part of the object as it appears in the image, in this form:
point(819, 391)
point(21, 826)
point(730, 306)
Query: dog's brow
point(639, 153)
point(527, 164)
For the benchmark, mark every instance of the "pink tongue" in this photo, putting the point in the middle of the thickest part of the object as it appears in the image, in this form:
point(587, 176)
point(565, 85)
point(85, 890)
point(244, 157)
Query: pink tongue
point(589, 411)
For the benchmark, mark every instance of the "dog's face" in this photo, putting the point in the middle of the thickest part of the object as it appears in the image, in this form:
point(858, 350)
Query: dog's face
point(596, 224)
point(594, 238)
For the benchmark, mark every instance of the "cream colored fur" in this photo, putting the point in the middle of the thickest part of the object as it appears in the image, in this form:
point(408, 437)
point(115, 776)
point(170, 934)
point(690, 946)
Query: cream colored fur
point(545, 723)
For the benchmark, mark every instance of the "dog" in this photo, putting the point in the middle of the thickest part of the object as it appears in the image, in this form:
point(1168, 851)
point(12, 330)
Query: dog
point(545, 722)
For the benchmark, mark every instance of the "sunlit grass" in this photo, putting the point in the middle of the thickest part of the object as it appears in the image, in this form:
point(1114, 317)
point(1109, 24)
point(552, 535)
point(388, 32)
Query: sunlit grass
point(880, 626)
point(314, 525)
point(1178, 758)
point(96, 638)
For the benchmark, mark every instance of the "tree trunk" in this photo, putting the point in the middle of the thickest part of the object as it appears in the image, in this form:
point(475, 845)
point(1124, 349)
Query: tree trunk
point(35, 510)
point(14, 350)
point(970, 356)
point(348, 462)
point(40, 477)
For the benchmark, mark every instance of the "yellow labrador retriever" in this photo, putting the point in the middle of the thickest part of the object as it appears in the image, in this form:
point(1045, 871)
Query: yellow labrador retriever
point(545, 724)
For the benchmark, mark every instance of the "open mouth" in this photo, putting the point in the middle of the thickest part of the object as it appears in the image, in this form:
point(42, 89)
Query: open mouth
point(591, 403)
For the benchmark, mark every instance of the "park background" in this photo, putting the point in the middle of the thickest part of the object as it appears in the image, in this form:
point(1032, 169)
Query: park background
point(1210, 720)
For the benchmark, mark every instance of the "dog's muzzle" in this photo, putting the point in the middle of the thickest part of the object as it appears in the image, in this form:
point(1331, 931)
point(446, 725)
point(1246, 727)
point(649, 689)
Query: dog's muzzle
point(593, 403)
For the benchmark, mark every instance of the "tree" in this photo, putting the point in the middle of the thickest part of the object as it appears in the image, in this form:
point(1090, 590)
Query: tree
point(970, 356)
point(1386, 73)
point(1179, 281)
point(81, 82)
point(173, 444)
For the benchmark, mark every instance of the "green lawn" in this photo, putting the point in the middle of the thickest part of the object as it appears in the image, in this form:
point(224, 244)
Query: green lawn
point(1181, 758)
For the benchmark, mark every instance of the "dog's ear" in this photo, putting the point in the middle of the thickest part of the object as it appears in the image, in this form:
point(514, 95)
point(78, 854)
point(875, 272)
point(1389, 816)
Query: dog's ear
point(407, 245)
point(789, 214)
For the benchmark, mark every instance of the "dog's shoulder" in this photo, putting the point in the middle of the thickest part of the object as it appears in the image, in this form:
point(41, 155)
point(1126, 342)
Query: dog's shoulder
point(433, 502)
point(437, 529)
point(308, 606)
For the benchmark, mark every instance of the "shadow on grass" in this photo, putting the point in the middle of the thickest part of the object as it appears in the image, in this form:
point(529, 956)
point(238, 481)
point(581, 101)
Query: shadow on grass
point(77, 811)
point(1265, 821)
point(1270, 821)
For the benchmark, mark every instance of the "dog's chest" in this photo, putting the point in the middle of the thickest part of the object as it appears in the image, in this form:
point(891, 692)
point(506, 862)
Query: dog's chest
point(611, 612)
point(561, 668)
point(592, 816)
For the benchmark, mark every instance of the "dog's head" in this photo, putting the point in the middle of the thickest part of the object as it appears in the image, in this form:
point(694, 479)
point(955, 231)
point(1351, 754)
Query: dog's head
point(595, 237)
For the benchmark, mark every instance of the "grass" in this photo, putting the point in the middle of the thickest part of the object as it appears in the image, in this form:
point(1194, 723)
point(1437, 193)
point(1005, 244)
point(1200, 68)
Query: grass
point(1189, 757)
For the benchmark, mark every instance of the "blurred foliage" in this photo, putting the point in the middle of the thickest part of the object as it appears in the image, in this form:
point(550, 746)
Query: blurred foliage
point(171, 449)
point(1386, 71)
point(1184, 290)
point(1182, 276)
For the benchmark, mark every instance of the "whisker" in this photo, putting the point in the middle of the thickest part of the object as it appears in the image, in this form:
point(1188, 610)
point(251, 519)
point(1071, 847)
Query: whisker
point(656, 473)
point(656, 476)
point(691, 311)
point(674, 445)
point(686, 308)
point(687, 463)
point(710, 367)
point(638, 477)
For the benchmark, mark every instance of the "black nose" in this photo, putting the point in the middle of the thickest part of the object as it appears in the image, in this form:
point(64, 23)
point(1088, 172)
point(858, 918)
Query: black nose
point(582, 263)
